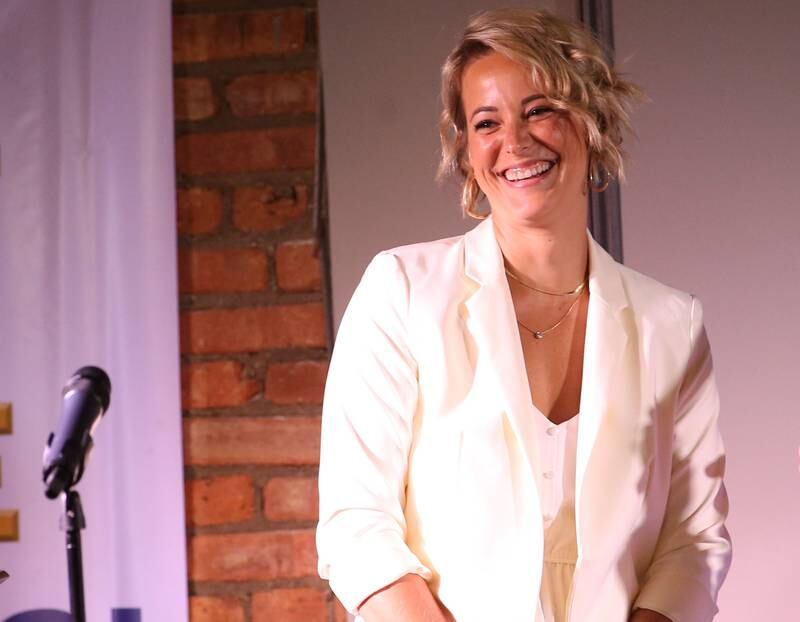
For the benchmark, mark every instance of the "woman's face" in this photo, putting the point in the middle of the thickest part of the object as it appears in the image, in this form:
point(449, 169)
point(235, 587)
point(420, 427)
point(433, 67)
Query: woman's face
point(527, 157)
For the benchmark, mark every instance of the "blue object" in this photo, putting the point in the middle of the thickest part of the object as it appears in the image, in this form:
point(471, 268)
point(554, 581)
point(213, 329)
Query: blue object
point(126, 615)
point(40, 615)
point(55, 615)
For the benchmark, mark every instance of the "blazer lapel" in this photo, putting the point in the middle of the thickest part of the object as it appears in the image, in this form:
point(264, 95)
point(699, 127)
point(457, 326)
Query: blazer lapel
point(611, 464)
point(500, 368)
point(606, 339)
point(516, 536)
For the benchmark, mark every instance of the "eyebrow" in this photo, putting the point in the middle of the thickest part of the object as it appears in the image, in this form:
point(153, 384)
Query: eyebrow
point(526, 100)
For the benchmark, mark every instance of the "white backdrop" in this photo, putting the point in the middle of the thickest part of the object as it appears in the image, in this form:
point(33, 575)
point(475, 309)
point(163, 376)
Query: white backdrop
point(88, 276)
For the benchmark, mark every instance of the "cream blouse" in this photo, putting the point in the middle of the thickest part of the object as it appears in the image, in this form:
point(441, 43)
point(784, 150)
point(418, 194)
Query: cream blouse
point(554, 457)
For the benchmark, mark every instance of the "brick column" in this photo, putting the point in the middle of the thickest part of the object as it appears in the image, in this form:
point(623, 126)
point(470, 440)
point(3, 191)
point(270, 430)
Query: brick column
point(253, 315)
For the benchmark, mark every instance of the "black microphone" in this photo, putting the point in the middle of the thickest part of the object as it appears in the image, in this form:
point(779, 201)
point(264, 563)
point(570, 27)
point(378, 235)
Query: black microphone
point(85, 398)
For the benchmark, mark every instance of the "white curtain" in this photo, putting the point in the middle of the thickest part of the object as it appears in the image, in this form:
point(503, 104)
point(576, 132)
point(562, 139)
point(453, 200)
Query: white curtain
point(88, 276)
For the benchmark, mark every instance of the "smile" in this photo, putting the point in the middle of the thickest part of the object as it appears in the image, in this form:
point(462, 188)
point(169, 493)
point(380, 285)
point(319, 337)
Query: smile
point(537, 170)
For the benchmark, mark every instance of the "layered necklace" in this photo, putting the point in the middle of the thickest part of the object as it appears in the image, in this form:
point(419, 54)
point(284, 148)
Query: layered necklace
point(539, 334)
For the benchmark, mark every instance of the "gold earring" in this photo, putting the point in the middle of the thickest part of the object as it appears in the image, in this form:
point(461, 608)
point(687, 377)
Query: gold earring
point(601, 182)
point(469, 198)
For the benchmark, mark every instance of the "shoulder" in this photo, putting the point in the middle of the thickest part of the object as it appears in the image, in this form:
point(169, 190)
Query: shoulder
point(648, 299)
point(421, 262)
point(673, 314)
point(424, 255)
point(647, 294)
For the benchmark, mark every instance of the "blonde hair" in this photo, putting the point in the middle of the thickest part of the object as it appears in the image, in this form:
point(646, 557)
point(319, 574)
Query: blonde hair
point(568, 63)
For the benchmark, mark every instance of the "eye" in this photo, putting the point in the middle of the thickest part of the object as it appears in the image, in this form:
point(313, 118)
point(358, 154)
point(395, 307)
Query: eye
point(484, 124)
point(539, 112)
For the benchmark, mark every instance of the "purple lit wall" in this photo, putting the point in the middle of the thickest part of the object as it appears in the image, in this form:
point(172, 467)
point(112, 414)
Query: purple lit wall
point(712, 207)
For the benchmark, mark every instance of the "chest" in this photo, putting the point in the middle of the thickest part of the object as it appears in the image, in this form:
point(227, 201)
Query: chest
point(554, 359)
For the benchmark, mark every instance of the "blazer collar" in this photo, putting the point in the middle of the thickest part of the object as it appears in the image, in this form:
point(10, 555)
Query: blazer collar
point(483, 261)
point(493, 322)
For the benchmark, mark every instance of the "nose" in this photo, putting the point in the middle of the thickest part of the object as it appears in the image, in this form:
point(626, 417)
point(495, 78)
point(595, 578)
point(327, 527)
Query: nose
point(518, 138)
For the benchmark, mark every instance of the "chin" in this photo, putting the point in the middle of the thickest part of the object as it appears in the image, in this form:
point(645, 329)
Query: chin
point(532, 209)
point(537, 210)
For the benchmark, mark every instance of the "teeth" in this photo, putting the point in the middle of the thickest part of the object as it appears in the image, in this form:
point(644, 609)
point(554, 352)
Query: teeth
point(516, 174)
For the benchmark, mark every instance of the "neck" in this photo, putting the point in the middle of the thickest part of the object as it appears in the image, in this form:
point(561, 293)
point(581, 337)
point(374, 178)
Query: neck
point(553, 257)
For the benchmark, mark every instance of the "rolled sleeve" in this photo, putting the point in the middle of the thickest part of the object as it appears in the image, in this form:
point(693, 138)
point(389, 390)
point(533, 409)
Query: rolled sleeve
point(694, 550)
point(370, 399)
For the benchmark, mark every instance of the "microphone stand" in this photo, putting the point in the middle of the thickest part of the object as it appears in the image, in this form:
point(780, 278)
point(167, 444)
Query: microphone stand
point(86, 397)
point(72, 521)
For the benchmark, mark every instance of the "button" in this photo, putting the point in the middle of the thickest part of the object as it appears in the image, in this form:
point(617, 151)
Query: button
point(552, 431)
point(547, 475)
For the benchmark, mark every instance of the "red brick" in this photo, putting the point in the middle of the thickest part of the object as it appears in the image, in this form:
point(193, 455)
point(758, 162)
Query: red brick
point(260, 556)
point(252, 329)
point(291, 498)
point(194, 99)
point(199, 211)
point(219, 500)
point(203, 271)
point(220, 36)
point(273, 440)
point(273, 93)
point(213, 609)
point(283, 148)
point(296, 382)
point(213, 384)
point(298, 267)
point(257, 208)
point(290, 605)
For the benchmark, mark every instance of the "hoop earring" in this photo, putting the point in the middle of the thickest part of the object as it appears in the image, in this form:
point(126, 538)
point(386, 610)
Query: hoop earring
point(469, 198)
point(600, 182)
point(470, 211)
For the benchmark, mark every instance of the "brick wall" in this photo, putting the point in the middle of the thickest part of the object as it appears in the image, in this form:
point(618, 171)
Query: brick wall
point(253, 319)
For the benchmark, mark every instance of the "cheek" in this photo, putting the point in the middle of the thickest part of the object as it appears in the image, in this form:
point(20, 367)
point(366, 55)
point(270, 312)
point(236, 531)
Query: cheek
point(573, 146)
point(558, 134)
point(482, 153)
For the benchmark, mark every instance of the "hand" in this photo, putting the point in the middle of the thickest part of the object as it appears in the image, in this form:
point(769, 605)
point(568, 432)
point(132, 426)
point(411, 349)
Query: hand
point(407, 599)
point(648, 615)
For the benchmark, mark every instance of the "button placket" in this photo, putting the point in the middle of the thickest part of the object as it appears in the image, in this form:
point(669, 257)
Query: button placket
point(547, 471)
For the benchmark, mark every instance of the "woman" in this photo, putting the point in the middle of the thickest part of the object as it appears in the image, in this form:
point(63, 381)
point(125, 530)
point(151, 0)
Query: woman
point(516, 427)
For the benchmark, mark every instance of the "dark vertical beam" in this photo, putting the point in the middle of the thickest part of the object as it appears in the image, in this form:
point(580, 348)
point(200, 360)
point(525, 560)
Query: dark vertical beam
point(605, 214)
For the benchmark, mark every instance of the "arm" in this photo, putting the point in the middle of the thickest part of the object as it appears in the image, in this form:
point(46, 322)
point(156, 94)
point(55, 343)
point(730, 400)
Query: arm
point(370, 401)
point(693, 553)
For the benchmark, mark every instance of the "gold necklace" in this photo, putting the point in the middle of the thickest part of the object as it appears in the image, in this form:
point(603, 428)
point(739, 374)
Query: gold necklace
point(577, 289)
point(539, 334)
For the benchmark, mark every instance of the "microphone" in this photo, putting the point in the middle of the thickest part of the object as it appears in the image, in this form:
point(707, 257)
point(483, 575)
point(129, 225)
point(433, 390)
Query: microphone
point(85, 399)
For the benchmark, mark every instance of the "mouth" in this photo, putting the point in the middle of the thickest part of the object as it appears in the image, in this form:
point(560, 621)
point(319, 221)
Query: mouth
point(524, 173)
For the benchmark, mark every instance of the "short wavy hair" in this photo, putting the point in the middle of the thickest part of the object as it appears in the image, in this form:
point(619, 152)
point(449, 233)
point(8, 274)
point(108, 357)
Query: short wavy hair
point(569, 64)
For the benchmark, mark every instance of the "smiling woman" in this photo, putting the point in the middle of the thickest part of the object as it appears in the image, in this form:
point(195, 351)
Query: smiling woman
point(563, 64)
point(526, 156)
point(516, 427)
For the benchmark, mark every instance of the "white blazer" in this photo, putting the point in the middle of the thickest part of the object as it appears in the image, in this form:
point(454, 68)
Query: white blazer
point(425, 464)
